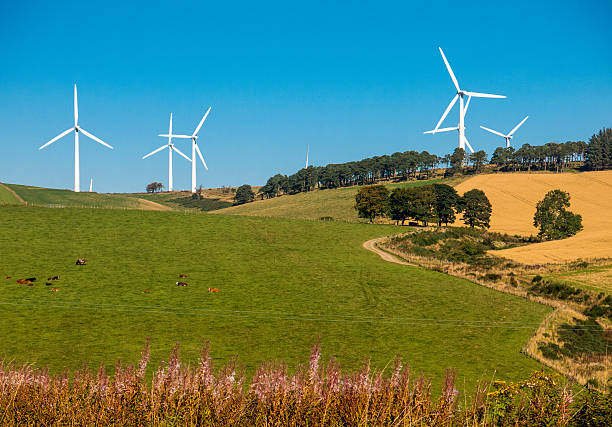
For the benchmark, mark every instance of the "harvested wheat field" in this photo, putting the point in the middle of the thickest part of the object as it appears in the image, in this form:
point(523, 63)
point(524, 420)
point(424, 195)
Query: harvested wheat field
point(514, 197)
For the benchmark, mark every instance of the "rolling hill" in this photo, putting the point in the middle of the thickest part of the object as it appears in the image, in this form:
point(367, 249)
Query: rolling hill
point(282, 284)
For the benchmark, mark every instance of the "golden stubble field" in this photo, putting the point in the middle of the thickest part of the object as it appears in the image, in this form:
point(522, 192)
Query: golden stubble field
point(514, 197)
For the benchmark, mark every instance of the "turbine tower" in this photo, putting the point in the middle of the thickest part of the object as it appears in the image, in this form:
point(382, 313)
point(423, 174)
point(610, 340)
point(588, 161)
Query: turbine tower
point(76, 128)
point(194, 149)
point(508, 137)
point(307, 149)
point(171, 148)
point(463, 107)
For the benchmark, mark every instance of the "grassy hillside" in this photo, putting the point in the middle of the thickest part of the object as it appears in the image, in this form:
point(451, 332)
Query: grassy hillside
point(514, 197)
point(181, 200)
point(335, 203)
point(282, 284)
point(7, 196)
point(65, 198)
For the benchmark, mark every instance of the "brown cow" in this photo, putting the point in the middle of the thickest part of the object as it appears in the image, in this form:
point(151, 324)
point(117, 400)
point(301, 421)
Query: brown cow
point(54, 289)
point(182, 276)
point(23, 281)
point(213, 290)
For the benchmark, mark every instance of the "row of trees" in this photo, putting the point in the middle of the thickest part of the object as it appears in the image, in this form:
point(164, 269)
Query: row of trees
point(428, 203)
point(595, 155)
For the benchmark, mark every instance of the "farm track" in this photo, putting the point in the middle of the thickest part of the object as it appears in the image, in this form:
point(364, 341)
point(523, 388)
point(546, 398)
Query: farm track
point(370, 245)
point(10, 190)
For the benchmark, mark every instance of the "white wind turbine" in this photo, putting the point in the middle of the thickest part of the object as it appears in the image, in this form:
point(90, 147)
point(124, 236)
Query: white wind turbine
point(171, 148)
point(509, 136)
point(462, 108)
point(307, 150)
point(194, 149)
point(76, 128)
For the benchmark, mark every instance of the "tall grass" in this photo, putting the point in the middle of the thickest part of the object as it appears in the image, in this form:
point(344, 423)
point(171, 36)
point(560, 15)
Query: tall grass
point(314, 394)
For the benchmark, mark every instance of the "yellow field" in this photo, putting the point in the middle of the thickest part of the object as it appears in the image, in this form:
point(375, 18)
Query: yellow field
point(514, 197)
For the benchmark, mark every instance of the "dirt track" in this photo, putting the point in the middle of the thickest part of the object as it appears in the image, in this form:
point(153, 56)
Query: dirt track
point(371, 246)
point(514, 197)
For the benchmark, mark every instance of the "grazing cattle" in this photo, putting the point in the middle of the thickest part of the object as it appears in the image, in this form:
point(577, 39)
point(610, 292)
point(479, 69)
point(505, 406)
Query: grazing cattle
point(54, 289)
point(146, 292)
point(30, 284)
point(53, 278)
point(181, 284)
point(213, 290)
point(23, 281)
point(182, 276)
point(48, 284)
point(9, 277)
point(31, 279)
point(81, 261)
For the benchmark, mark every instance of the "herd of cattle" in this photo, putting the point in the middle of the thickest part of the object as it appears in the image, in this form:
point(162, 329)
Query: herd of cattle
point(82, 261)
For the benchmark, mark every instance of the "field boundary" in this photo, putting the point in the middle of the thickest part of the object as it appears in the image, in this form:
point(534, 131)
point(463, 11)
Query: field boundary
point(10, 190)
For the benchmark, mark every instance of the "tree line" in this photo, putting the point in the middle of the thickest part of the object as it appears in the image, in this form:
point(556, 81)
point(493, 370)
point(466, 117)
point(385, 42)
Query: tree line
point(437, 203)
point(412, 165)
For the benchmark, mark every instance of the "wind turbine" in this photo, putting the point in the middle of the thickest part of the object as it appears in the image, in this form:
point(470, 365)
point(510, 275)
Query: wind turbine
point(462, 107)
point(509, 136)
point(194, 149)
point(171, 148)
point(76, 128)
point(307, 149)
point(91, 185)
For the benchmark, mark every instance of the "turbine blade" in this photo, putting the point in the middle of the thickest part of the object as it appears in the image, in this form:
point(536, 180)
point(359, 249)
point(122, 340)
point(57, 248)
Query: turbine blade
point(442, 130)
point(518, 126)
point(468, 144)
point(76, 107)
point(450, 106)
point(200, 155)
point(465, 107)
point(483, 95)
point(61, 135)
point(155, 151)
point(170, 130)
point(201, 122)
point(165, 135)
point(95, 138)
point(450, 70)
point(494, 131)
point(180, 152)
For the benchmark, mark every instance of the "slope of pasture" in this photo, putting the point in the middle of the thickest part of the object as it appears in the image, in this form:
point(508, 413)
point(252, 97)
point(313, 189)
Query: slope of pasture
point(282, 284)
point(514, 197)
point(7, 196)
point(64, 198)
point(336, 203)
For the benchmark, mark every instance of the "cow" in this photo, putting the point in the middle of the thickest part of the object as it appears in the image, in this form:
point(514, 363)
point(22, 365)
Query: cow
point(9, 277)
point(181, 284)
point(53, 278)
point(30, 284)
point(31, 279)
point(54, 289)
point(48, 284)
point(146, 292)
point(23, 281)
point(213, 290)
point(182, 276)
point(81, 261)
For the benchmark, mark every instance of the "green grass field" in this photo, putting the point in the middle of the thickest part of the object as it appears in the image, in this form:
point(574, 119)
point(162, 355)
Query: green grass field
point(67, 198)
point(7, 197)
point(335, 203)
point(282, 284)
point(596, 278)
point(182, 201)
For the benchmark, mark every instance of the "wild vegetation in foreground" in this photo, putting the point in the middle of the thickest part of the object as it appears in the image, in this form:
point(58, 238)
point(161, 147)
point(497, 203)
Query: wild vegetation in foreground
point(281, 284)
point(314, 394)
point(575, 344)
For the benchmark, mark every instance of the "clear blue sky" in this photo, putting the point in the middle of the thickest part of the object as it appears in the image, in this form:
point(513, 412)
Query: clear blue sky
point(352, 79)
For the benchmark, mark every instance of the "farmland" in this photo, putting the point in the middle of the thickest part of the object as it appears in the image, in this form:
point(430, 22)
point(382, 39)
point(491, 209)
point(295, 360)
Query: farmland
point(336, 204)
point(514, 197)
point(282, 284)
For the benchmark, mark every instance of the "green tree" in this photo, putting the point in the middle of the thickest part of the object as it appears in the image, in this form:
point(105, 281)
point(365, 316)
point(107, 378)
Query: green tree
point(400, 202)
point(479, 158)
point(372, 201)
point(244, 194)
point(476, 209)
point(553, 219)
point(599, 151)
point(457, 160)
point(423, 204)
point(446, 204)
